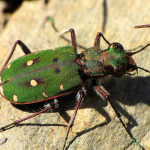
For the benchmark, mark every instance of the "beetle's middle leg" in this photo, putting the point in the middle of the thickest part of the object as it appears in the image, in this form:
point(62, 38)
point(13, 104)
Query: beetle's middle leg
point(79, 99)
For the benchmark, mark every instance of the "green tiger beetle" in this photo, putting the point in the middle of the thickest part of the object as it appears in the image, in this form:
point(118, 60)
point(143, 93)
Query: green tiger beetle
point(49, 74)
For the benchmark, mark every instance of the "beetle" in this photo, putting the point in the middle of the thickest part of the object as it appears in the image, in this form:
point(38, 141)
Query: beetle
point(49, 74)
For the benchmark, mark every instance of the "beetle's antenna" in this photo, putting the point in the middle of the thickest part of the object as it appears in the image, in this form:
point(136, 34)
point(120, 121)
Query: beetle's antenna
point(132, 53)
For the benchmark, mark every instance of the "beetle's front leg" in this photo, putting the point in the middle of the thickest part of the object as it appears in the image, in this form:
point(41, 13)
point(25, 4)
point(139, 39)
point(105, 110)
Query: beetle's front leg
point(102, 93)
point(97, 40)
point(23, 47)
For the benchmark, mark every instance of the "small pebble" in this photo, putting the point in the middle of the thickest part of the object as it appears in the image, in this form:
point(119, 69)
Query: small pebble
point(2, 139)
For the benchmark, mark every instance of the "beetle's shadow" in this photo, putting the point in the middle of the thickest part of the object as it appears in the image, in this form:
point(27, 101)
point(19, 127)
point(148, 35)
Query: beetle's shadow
point(126, 90)
point(129, 91)
point(69, 102)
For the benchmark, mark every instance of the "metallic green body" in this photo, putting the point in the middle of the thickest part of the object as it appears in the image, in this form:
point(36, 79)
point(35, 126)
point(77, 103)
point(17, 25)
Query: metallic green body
point(115, 57)
point(101, 63)
point(41, 75)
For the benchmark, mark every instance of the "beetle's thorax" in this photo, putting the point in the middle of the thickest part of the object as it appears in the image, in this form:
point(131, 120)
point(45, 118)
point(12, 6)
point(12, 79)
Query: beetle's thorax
point(92, 62)
point(113, 61)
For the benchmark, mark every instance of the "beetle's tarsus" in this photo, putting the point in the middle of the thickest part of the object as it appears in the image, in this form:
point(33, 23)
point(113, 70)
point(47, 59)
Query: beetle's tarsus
point(9, 126)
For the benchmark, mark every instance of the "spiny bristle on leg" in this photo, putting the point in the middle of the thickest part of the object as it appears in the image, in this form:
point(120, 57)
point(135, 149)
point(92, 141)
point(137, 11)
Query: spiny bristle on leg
point(56, 105)
point(79, 95)
point(99, 94)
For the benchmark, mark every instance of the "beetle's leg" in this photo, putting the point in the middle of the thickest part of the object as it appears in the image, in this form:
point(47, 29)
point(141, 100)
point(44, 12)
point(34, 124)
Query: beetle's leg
point(142, 26)
point(102, 92)
point(45, 2)
point(97, 40)
point(73, 37)
point(80, 99)
point(15, 123)
point(49, 18)
point(23, 47)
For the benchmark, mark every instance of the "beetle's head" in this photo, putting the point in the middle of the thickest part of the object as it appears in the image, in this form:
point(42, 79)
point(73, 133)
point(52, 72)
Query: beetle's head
point(112, 61)
point(120, 61)
point(131, 63)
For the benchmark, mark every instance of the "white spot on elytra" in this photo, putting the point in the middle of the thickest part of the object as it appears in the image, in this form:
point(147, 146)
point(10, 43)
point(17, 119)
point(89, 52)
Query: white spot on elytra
point(36, 52)
point(33, 82)
point(1, 88)
point(1, 91)
point(15, 98)
point(8, 66)
point(44, 94)
point(30, 62)
point(61, 87)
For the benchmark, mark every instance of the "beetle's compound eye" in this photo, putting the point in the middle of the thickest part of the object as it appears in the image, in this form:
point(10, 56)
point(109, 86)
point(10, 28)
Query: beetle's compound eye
point(119, 69)
point(116, 46)
point(131, 64)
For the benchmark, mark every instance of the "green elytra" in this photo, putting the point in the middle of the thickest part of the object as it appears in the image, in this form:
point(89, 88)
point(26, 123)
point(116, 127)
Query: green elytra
point(41, 75)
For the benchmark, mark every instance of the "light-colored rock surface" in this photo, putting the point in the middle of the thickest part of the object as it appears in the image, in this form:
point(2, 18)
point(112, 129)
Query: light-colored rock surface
point(129, 94)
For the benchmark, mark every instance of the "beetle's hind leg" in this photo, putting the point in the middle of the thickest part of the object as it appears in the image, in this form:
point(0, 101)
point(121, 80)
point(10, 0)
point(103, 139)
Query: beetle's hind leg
point(48, 106)
point(73, 37)
point(23, 47)
point(50, 18)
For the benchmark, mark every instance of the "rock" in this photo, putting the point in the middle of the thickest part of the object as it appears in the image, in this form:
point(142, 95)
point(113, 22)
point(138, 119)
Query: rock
point(95, 126)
